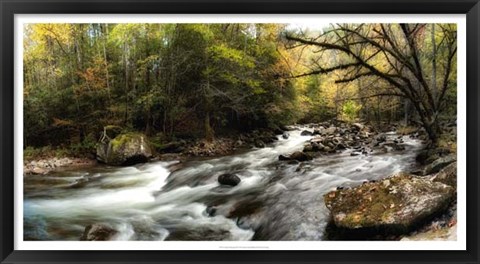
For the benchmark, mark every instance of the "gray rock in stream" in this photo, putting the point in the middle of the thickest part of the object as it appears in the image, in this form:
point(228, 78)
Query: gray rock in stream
point(306, 133)
point(297, 155)
point(229, 179)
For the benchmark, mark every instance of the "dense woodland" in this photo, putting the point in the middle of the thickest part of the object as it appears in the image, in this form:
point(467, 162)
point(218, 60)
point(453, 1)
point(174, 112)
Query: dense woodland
point(195, 81)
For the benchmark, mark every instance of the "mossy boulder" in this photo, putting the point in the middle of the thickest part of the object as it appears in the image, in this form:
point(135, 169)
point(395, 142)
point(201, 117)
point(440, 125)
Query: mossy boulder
point(124, 149)
point(397, 204)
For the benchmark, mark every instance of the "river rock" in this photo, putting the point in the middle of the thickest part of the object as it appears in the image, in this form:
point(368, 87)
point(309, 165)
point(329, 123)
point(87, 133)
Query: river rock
point(199, 233)
point(381, 138)
point(306, 133)
point(357, 126)
point(259, 143)
point(390, 145)
point(229, 179)
point(277, 130)
point(331, 130)
point(341, 146)
point(396, 204)
point(289, 128)
point(269, 139)
point(440, 233)
point(211, 211)
point(317, 146)
point(238, 143)
point(439, 164)
point(308, 147)
point(38, 170)
point(124, 149)
point(447, 175)
point(297, 155)
point(98, 232)
point(285, 135)
point(300, 156)
point(427, 156)
point(363, 135)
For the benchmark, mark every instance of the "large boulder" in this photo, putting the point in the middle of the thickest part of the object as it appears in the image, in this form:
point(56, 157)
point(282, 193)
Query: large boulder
point(395, 204)
point(124, 149)
point(98, 232)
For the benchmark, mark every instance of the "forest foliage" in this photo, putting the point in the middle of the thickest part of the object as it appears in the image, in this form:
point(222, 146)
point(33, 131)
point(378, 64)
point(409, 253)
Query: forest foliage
point(206, 80)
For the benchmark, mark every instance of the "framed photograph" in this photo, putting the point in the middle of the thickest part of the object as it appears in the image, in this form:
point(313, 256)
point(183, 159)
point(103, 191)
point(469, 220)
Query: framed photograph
point(240, 131)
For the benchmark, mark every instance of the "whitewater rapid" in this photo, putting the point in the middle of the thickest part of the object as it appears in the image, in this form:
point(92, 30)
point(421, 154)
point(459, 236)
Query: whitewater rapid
point(275, 200)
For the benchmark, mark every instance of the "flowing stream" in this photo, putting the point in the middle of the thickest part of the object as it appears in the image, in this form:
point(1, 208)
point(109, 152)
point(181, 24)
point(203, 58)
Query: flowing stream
point(276, 200)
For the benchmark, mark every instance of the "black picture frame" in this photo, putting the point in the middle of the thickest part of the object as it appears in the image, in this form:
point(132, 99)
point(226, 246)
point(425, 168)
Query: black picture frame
point(8, 8)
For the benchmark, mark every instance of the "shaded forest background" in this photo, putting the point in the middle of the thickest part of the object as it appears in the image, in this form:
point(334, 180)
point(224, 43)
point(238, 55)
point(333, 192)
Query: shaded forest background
point(190, 81)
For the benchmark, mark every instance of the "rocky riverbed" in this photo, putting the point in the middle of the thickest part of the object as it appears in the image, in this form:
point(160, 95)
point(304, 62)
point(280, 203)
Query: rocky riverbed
point(332, 180)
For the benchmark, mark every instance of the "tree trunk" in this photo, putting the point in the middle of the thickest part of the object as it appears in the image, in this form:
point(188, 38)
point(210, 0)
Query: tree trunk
point(125, 64)
point(148, 125)
point(107, 77)
point(433, 131)
point(209, 134)
point(407, 109)
point(434, 66)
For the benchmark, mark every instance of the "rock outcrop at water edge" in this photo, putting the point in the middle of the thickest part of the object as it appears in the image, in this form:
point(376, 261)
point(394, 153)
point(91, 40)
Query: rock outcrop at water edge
point(396, 204)
point(98, 232)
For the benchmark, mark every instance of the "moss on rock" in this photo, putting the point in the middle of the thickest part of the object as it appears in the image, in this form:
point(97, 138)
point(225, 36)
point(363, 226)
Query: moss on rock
point(397, 203)
point(124, 149)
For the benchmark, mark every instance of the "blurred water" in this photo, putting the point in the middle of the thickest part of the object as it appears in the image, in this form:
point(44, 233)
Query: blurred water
point(274, 201)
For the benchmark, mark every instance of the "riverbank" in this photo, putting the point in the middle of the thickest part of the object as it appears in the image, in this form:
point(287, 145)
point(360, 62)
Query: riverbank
point(45, 166)
point(47, 159)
